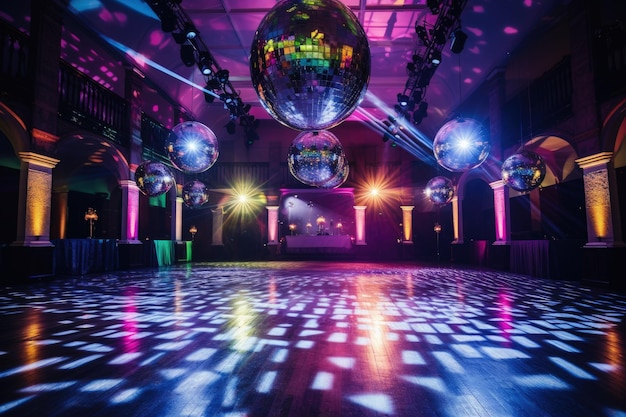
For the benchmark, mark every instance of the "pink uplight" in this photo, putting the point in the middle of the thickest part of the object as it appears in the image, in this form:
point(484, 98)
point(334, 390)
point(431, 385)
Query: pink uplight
point(510, 30)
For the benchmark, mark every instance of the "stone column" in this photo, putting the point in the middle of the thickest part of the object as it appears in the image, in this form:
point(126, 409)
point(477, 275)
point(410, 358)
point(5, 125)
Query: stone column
point(272, 225)
point(601, 203)
point(130, 212)
point(407, 224)
point(359, 217)
point(457, 219)
point(33, 215)
point(502, 210)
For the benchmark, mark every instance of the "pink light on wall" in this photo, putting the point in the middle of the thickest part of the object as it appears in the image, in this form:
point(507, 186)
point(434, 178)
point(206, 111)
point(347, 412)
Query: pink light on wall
point(359, 215)
point(500, 200)
point(272, 225)
point(132, 221)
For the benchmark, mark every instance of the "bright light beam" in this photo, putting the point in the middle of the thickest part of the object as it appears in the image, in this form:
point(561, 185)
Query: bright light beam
point(139, 58)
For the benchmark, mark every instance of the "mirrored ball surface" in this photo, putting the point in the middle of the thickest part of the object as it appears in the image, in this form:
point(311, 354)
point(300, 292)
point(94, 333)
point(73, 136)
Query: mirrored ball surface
point(192, 147)
point(461, 144)
point(439, 190)
point(524, 171)
point(154, 178)
point(310, 63)
point(315, 158)
point(338, 179)
point(195, 194)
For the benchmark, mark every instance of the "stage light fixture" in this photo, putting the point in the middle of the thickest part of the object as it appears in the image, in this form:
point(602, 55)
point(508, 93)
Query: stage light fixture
point(403, 100)
point(222, 76)
point(435, 57)
point(190, 31)
point(187, 54)
point(208, 97)
point(458, 41)
point(205, 63)
point(212, 83)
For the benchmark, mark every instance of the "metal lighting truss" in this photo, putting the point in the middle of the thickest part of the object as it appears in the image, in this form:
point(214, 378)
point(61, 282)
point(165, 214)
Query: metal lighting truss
point(195, 52)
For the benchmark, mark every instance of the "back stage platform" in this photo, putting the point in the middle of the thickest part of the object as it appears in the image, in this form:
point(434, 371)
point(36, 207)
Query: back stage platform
point(298, 339)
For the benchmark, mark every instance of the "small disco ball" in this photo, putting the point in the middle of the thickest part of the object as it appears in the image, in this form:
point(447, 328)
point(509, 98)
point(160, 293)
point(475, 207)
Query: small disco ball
point(315, 158)
point(439, 190)
point(523, 171)
point(310, 63)
point(192, 147)
point(195, 194)
point(338, 179)
point(461, 144)
point(154, 178)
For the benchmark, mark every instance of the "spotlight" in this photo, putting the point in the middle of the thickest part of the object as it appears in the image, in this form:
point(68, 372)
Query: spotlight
point(435, 57)
point(208, 97)
point(458, 41)
point(187, 54)
point(190, 31)
point(212, 83)
point(205, 63)
point(222, 76)
point(403, 99)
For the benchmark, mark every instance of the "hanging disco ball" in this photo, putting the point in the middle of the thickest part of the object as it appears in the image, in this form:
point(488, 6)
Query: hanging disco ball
point(338, 179)
point(461, 144)
point(315, 158)
point(195, 194)
point(154, 178)
point(310, 63)
point(439, 190)
point(192, 147)
point(523, 171)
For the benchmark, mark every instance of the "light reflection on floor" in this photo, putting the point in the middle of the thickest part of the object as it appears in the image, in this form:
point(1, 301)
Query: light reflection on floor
point(312, 339)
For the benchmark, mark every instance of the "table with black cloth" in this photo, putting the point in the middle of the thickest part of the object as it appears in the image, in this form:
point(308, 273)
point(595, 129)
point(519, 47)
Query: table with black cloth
point(555, 259)
point(84, 256)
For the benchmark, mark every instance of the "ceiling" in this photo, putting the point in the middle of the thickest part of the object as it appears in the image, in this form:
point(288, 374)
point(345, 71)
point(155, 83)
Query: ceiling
point(227, 27)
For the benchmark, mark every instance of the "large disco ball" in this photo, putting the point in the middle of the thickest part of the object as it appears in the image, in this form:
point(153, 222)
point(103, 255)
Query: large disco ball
point(154, 178)
point(195, 194)
point(461, 144)
point(523, 171)
point(439, 190)
point(316, 158)
point(310, 63)
point(192, 147)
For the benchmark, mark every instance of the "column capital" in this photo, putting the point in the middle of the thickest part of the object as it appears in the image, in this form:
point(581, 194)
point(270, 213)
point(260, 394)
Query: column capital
point(596, 160)
point(497, 184)
point(37, 159)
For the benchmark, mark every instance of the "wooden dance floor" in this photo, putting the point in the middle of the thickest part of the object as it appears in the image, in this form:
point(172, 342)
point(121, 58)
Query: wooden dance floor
point(300, 339)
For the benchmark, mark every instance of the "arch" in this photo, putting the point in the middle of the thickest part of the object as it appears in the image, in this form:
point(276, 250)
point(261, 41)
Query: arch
point(88, 175)
point(77, 151)
point(14, 129)
point(613, 136)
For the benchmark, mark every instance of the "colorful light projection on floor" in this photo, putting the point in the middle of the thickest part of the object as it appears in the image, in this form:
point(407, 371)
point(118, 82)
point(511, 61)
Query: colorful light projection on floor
point(226, 339)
